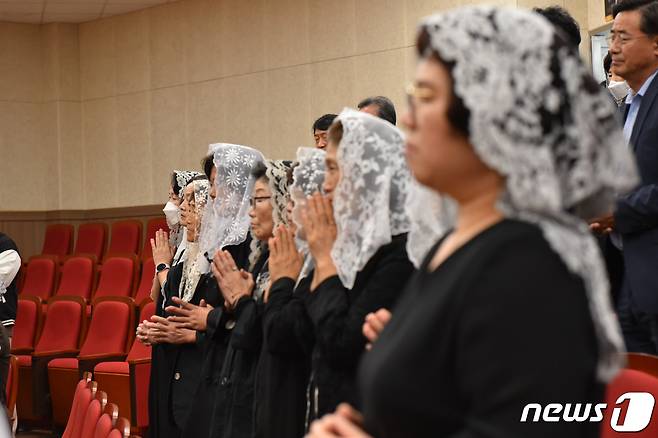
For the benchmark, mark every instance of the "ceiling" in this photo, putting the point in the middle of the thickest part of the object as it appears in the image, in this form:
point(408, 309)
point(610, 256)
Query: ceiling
point(68, 11)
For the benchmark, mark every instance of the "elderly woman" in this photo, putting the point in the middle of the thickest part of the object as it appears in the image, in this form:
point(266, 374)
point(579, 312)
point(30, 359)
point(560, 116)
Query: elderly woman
point(243, 293)
point(357, 235)
point(511, 306)
point(176, 381)
point(284, 363)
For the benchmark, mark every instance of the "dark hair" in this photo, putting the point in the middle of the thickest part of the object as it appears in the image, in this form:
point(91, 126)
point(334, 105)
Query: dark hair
point(458, 115)
point(607, 63)
point(324, 122)
point(562, 21)
point(648, 10)
point(385, 108)
point(207, 163)
point(259, 171)
point(174, 184)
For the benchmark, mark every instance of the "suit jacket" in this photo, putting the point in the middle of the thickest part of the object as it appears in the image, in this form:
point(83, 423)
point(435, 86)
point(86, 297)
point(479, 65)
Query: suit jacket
point(636, 216)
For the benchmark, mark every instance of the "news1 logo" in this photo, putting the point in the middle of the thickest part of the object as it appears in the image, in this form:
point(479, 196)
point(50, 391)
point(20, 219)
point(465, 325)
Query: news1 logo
point(632, 412)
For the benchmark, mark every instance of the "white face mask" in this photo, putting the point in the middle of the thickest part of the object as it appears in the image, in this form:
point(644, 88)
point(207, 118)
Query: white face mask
point(618, 89)
point(171, 213)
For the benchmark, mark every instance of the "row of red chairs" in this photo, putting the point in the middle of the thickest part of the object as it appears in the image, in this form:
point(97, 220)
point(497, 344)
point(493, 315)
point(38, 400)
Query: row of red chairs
point(92, 239)
point(55, 349)
point(79, 276)
point(92, 416)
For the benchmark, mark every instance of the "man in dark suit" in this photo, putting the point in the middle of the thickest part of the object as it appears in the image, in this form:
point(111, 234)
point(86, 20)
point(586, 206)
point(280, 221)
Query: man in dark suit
point(634, 225)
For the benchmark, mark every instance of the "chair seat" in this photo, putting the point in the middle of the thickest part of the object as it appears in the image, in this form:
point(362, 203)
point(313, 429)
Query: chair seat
point(112, 367)
point(24, 360)
point(64, 362)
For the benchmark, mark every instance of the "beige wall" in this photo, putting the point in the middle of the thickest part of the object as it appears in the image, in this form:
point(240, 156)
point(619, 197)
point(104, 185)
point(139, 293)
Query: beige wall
point(100, 113)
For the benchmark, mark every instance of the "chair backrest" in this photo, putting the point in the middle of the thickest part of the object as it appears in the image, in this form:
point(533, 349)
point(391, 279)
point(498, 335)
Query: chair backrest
point(625, 382)
point(84, 394)
point(125, 238)
point(145, 281)
point(116, 278)
point(112, 322)
point(106, 421)
point(138, 349)
point(12, 384)
point(64, 325)
point(152, 226)
point(647, 363)
point(77, 277)
point(58, 240)
point(29, 318)
point(92, 239)
point(40, 277)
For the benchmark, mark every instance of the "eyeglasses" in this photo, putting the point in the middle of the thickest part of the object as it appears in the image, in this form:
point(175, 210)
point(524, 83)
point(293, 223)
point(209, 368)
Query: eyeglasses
point(258, 199)
point(417, 93)
point(623, 39)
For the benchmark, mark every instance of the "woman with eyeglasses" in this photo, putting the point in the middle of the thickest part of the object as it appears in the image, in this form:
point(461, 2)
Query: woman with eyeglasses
point(510, 307)
point(243, 290)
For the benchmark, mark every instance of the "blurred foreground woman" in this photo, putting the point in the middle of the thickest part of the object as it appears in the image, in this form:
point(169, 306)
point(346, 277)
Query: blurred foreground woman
point(518, 144)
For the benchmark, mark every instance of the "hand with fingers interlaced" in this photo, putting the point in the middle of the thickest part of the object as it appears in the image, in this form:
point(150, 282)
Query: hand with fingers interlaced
point(188, 315)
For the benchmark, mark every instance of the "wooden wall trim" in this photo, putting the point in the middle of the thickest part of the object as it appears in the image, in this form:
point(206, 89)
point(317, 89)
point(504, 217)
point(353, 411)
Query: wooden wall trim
point(82, 215)
point(28, 228)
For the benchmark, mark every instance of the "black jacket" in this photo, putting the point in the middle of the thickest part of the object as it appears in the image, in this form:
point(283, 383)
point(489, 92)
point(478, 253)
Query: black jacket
point(285, 362)
point(175, 369)
point(338, 315)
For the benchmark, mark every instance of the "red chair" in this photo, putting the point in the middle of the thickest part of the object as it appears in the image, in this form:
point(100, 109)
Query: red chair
point(106, 421)
point(152, 226)
point(117, 277)
point(85, 391)
point(145, 282)
point(93, 414)
point(63, 329)
point(121, 429)
point(29, 320)
point(92, 239)
point(77, 278)
point(108, 339)
point(629, 381)
point(647, 363)
point(125, 239)
point(127, 382)
point(40, 277)
point(58, 240)
point(12, 386)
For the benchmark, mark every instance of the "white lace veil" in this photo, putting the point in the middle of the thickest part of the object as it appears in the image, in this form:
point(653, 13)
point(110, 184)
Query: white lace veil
point(308, 177)
point(277, 179)
point(182, 178)
point(195, 264)
point(369, 200)
point(539, 119)
point(226, 219)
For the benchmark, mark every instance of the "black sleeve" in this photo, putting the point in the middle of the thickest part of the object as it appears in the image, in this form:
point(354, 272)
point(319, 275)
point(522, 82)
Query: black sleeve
point(517, 314)
point(338, 317)
point(638, 211)
point(286, 327)
point(247, 333)
point(216, 322)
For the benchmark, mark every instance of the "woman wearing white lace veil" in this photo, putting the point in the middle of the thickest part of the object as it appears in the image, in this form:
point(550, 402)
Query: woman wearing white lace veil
point(174, 384)
point(284, 363)
point(225, 227)
point(243, 295)
point(358, 247)
point(512, 306)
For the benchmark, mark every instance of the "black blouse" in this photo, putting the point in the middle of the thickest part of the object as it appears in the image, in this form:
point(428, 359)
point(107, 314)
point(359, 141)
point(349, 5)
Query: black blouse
point(499, 324)
point(338, 314)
